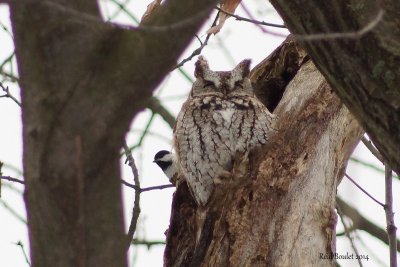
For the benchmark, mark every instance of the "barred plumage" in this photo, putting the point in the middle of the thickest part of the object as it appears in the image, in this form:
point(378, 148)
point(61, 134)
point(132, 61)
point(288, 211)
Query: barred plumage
point(220, 117)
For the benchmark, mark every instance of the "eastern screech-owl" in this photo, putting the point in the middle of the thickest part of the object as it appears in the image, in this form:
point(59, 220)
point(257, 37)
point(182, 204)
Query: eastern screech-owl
point(221, 117)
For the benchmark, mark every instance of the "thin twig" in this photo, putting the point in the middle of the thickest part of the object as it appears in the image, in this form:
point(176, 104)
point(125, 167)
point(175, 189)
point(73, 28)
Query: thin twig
point(12, 188)
point(251, 20)
point(371, 166)
point(6, 30)
point(364, 191)
point(136, 205)
point(146, 129)
point(158, 187)
point(146, 189)
point(8, 59)
point(347, 232)
point(122, 7)
point(11, 179)
point(197, 51)
point(143, 136)
point(7, 91)
point(185, 75)
point(391, 227)
point(147, 243)
point(343, 35)
point(20, 244)
point(130, 185)
point(248, 13)
point(372, 148)
point(13, 212)
point(10, 76)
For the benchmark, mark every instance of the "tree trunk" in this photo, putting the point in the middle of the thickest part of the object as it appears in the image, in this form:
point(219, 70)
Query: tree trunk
point(82, 81)
point(361, 61)
point(279, 207)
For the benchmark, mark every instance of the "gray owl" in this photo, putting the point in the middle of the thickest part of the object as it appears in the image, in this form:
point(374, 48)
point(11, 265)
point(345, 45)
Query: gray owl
point(220, 118)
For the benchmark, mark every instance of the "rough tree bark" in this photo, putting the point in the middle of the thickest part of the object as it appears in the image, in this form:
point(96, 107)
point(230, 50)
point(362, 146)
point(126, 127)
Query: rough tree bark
point(82, 81)
point(278, 209)
point(362, 66)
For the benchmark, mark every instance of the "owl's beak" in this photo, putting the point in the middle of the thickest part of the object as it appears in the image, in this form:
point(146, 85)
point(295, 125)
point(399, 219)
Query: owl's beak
point(225, 88)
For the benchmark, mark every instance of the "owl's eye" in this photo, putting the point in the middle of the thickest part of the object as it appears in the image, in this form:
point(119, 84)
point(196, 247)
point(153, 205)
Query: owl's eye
point(207, 84)
point(239, 84)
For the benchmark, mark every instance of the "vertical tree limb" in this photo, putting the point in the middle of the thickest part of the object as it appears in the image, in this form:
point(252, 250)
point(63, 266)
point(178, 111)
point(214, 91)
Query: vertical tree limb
point(136, 204)
point(391, 227)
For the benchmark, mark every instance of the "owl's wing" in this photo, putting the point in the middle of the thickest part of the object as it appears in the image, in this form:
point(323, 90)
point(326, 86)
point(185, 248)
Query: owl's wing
point(189, 146)
point(252, 124)
point(202, 145)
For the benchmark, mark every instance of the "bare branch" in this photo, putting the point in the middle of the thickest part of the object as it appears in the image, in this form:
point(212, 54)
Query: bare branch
point(364, 191)
point(371, 166)
point(7, 60)
point(197, 51)
point(142, 137)
point(372, 148)
point(122, 7)
point(136, 205)
point(159, 187)
point(11, 179)
point(251, 20)
point(130, 185)
point(264, 30)
point(391, 227)
point(10, 76)
point(140, 190)
point(146, 189)
point(147, 242)
point(347, 233)
point(7, 91)
point(20, 244)
point(6, 29)
point(12, 211)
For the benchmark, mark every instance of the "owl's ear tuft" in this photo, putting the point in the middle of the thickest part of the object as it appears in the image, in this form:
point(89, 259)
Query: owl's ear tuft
point(243, 67)
point(201, 67)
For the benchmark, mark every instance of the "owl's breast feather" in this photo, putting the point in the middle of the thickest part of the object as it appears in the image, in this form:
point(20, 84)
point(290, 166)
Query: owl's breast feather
point(227, 114)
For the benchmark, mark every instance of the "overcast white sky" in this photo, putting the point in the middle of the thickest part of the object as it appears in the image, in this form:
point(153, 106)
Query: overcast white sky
point(236, 41)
